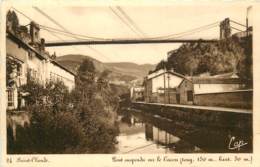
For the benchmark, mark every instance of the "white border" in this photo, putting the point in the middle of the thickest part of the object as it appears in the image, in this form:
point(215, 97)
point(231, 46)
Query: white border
point(106, 160)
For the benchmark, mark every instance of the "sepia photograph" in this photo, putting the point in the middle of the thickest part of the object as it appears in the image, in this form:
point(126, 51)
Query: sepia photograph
point(124, 79)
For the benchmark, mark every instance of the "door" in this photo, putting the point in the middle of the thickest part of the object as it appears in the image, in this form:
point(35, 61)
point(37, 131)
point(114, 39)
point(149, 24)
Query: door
point(178, 98)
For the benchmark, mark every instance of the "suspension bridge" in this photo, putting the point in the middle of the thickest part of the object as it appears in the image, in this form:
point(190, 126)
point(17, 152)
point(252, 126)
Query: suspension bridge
point(225, 28)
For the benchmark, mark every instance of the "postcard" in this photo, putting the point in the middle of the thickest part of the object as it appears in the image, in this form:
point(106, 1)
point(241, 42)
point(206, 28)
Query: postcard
point(127, 84)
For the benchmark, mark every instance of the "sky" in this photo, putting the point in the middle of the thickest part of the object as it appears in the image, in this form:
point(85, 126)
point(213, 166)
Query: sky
point(151, 21)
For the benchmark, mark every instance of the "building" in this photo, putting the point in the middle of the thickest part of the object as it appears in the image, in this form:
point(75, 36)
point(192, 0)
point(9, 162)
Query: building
point(214, 85)
point(224, 90)
point(27, 59)
point(185, 92)
point(137, 93)
point(165, 86)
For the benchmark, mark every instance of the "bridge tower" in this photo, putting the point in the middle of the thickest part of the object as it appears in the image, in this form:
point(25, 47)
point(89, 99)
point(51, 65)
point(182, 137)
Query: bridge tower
point(225, 29)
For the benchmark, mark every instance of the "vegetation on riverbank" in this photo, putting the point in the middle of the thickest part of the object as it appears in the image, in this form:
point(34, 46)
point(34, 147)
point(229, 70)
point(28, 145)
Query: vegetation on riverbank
point(81, 121)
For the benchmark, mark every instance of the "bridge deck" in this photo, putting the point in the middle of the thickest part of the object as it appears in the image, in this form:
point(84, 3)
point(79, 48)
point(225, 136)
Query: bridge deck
point(211, 108)
point(127, 41)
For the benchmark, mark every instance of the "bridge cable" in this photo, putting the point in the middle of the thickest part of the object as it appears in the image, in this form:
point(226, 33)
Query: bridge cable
point(134, 25)
point(158, 37)
point(236, 29)
point(237, 23)
point(62, 27)
point(51, 33)
point(123, 21)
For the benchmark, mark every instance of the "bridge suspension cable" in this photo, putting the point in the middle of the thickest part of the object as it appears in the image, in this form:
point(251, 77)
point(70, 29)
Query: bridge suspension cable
point(236, 29)
point(30, 19)
point(177, 35)
point(99, 40)
point(237, 23)
point(131, 21)
point(131, 24)
point(62, 27)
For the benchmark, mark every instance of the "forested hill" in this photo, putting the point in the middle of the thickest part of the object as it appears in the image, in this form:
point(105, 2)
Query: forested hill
point(120, 71)
point(231, 55)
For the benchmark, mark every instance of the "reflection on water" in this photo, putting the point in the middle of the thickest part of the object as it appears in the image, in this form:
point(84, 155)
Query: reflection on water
point(137, 136)
point(144, 133)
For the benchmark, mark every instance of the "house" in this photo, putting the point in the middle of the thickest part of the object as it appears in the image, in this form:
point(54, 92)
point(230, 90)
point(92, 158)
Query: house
point(137, 93)
point(185, 92)
point(165, 86)
point(223, 90)
point(27, 59)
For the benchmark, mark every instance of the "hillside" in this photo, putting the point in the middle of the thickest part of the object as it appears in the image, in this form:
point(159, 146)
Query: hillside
point(72, 62)
point(120, 71)
point(230, 55)
point(130, 68)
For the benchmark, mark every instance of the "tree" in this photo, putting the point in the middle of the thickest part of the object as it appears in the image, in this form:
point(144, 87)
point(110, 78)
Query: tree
point(54, 127)
point(86, 71)
point(95, 108)
point(83, 121)
point(230, 55)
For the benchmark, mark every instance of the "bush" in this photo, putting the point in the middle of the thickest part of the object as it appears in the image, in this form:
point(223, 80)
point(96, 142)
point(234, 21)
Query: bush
point(81, 121)
point(49, 132)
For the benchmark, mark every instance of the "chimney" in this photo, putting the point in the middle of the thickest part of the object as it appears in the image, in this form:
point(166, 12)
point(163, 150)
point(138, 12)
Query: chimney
point(34, 32)
point(42, 44)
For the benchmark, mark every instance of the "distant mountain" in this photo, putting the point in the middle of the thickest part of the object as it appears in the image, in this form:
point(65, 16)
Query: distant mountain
point(72, 62)
point(130, 68)
point(120, 71)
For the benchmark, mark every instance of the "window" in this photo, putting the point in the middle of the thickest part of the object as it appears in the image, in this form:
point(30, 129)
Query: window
point(32, 74)
point(30, 55)
point(10, 98)
point(19, 70)
point(52, 77)
point(189, 95)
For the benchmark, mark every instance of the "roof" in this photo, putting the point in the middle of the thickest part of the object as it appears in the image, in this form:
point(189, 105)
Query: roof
point(216, 81)
point(20, 42)
point(226, 75)
point(225, 78)
point(13, 58)
point(161, 72)
point(61, 66)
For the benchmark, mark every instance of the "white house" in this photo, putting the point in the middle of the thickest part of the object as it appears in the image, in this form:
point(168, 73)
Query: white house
point(167, 87)
point(26, 57)
point(136, 93)
point(164, 79)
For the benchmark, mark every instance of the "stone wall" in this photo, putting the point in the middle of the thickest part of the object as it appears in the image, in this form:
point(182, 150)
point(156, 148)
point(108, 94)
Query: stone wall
point(235, 99)
point(200, 117)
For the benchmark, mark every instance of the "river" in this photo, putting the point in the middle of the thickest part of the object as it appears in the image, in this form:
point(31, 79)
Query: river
point(145, 133)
